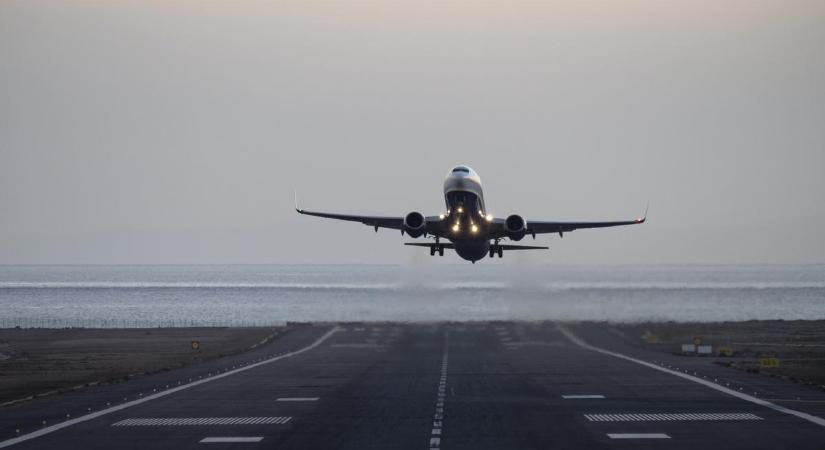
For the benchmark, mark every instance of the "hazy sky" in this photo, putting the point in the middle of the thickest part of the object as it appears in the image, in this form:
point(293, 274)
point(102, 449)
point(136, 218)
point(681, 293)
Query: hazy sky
point(175, 131)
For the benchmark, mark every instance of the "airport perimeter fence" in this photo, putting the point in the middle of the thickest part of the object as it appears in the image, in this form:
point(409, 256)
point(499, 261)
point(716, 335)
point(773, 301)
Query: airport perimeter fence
point(135, 323)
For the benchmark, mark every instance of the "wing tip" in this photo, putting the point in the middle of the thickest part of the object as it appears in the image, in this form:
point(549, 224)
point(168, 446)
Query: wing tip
point(299, 210)
point(644, 216)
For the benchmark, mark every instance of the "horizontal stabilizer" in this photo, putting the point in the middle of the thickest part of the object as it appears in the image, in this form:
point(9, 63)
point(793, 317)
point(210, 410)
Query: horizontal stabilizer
point(522, 247)
point(503, 246)
point(420, 244)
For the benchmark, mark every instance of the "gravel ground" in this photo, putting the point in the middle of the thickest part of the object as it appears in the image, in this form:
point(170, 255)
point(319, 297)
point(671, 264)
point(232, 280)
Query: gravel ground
point(798, 345)
point(47, 361)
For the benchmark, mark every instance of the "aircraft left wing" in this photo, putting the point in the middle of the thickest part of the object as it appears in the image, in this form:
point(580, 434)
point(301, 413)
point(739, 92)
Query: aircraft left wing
point(561, 227)
point(541, 227)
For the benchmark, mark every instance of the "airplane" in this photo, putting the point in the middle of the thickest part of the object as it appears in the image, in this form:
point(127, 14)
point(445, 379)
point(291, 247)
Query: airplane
point(471, 231)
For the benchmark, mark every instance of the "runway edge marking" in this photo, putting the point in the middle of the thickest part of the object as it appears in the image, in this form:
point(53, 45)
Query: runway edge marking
point(802, 415)
point(103, 412)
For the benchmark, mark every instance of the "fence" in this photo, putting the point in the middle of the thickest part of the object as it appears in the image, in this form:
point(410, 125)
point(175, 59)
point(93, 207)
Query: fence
point(46, 322)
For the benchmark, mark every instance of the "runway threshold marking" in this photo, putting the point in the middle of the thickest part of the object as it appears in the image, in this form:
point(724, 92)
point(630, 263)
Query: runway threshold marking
point(637, 436)
point(574, 397)
point(655, 417)
point(741, 395)
point(229, 439)
point(122, 406)
point(195, 421)
point(297, 399)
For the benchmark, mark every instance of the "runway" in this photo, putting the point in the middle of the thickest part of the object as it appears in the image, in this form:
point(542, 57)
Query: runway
point(433, 386)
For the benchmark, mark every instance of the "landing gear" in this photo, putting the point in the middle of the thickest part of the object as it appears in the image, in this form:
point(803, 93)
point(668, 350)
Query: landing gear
point(437, 247)
point(496, 249)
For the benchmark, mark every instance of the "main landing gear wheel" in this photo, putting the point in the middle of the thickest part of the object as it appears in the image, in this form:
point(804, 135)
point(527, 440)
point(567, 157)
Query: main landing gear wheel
point(496, 248)
point(440, 251)
point(432, 250)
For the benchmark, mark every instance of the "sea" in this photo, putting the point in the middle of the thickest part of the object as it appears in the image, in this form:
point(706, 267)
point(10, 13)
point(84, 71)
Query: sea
point(120, 296)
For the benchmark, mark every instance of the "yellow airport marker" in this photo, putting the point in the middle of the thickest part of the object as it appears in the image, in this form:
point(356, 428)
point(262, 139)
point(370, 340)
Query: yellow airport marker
point(769, 363)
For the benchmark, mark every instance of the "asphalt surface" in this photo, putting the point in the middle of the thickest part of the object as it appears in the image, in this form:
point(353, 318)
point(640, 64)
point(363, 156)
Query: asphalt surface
point(425, 386)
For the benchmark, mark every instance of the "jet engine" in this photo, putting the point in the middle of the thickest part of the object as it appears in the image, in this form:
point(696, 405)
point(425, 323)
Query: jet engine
point(515, 227)
point(415, 224)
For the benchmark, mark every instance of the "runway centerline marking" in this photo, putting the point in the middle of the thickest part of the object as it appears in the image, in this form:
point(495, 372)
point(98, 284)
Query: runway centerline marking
point(637, 436)
point(297, 399)
point(741, 395)
point(572, 397)
point(236, 439)
point(438, 417)
point(122, 406)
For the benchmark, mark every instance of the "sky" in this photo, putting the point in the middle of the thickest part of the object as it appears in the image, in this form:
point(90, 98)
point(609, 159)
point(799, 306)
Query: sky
point(140, 132)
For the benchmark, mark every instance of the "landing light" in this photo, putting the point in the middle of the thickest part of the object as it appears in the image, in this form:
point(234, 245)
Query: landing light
point(456, 228)
point(441, 216)
point(460, 209)
point(489, 217)
point(474, 228)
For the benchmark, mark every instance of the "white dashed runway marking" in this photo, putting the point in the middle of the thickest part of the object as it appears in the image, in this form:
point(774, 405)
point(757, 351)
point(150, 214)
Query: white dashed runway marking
point(637, 436)
point(233, 440)
point(669, 417)
point(193, 421)
point(572, 397)
point(372, 345)
point(441, 395)
point(297, 399)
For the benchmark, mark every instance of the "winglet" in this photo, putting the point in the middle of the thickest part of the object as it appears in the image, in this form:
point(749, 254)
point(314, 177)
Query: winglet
point(644, 216)
point(295, 191)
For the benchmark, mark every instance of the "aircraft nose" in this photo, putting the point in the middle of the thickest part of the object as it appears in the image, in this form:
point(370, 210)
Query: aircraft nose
point(461, 171)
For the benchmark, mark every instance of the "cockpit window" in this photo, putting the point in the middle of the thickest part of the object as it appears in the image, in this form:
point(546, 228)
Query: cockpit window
point(461, 169)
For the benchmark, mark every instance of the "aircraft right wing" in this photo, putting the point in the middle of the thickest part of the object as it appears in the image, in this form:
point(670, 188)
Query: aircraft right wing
point(395, 223)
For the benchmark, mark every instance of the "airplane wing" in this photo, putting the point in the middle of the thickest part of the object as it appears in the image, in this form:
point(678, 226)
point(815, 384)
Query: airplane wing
point(374, 221)
point(536, 227)
point(541, 227)
point(395, 223)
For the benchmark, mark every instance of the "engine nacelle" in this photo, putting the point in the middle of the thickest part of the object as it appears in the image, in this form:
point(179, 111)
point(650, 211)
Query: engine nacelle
point(515, 227)
point(415, 224)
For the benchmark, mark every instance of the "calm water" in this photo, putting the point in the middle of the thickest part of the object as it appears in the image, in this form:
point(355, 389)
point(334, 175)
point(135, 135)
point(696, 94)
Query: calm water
point(114, 296)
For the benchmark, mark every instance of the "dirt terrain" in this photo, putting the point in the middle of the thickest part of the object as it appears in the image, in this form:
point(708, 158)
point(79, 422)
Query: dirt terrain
point(797, 346)
point(38, 362)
